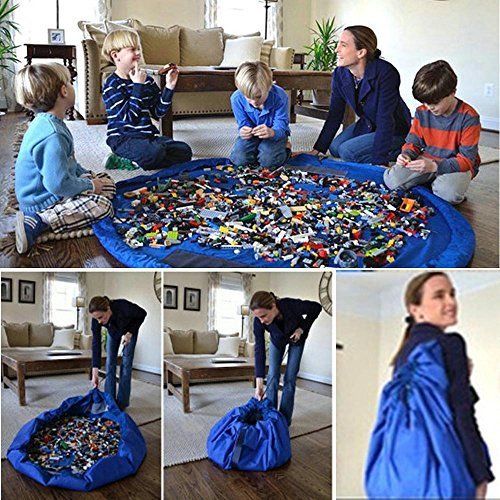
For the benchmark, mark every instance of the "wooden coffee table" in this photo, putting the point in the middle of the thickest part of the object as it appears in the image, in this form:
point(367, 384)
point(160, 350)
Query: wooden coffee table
point(191, 369)
point(207, 79)
point(23, 361)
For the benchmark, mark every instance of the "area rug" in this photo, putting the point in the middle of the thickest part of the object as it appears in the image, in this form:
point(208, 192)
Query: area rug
point(488, 155)
point(48, 392)
point(185, 434)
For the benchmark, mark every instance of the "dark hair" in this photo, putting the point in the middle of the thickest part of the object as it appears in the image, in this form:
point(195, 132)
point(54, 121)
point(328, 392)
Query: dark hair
point(433, 82)
point(262, 300)
point(365, 38)
point(100, 304)
point(413, 296)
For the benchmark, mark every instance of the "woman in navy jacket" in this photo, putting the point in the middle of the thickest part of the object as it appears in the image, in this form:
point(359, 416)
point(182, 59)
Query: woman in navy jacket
point(288, 321)
point(370, 86)
point(122, 319)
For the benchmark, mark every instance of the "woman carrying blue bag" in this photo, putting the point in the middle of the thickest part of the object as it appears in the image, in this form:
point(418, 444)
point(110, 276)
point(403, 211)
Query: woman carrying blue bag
point(288, 321)
point(122, 319)
point(426, 442)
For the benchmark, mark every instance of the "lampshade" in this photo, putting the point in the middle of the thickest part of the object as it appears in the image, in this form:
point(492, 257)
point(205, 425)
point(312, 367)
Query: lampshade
point(78, 301)
point(245, 310)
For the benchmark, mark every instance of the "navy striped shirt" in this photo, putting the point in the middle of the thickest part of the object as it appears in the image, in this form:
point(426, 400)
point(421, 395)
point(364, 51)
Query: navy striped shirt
point(130, 106)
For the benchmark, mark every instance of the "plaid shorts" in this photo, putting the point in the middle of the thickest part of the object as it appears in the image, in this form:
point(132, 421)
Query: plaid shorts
point(82, 210)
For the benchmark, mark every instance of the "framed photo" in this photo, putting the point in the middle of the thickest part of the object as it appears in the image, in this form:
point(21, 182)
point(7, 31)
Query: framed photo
point(192, 299)
point(26, 292)
point(56, 37)
point(170, 293)
point(6, 290)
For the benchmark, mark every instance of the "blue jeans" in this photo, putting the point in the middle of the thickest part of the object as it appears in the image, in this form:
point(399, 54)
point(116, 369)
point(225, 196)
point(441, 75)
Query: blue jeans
point(151, 152)
point(359, 149)
point(273, 377)
point(263, 152)
point(112, 346)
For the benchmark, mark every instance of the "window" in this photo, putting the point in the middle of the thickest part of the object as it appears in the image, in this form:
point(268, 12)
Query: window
point(240, 17)
point(229, 299)
point(64, 290)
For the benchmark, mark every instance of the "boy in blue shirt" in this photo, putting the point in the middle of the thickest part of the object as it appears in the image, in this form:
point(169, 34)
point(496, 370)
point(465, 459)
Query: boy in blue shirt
point(53, 190)
point(132, 98)
point(261, 111)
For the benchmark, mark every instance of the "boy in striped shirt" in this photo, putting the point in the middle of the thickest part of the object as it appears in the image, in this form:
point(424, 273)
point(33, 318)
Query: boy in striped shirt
point(442, 145)
point(132, 98)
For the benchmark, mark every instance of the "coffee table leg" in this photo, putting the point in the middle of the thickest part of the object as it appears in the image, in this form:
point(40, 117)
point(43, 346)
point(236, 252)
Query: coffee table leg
point(21, 371)
point(170, 380)
point(4, 375)
point(185, 392)
point(166, 124)
point(293, 100)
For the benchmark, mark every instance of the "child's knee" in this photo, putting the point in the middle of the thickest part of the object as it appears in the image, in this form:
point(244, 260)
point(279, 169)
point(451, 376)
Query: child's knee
point(185, 152)
point(105, 207)
point(391, 179)
point(448, 193)
point(241, 157)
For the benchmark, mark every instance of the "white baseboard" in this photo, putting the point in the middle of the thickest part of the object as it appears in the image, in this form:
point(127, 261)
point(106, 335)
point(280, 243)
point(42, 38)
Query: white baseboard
point(147, 368)
point(490, 123)
point(315, 378)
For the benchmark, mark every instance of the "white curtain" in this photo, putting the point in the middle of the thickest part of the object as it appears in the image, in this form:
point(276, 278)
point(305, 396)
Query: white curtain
point(210, 13)
point(275, 31)
point(83, 317)
point(48, 281)
point(214, 280)
point(246, 279)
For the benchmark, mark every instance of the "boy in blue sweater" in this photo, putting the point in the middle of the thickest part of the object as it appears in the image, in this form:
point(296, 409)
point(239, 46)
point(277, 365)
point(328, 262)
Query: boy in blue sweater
point(132, 98)
point(53, 190)
point(261, 111)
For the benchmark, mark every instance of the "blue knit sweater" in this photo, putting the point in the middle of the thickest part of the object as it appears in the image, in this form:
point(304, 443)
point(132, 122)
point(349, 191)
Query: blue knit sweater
point(46, 169)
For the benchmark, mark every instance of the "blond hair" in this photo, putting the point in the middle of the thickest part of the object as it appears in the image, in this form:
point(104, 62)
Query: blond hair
point(253, 79)
point(38, 85)
point(117, 40)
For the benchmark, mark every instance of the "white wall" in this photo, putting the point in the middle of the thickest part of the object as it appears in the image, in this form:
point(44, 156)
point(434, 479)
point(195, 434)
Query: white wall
point(411, 34)
point(138, 288)
point(361, 377)
point(14, 312)
point(179, 319)
point(317, 357)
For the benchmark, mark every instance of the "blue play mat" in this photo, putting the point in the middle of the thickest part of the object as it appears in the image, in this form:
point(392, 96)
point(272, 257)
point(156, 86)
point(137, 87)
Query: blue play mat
point(450, 243)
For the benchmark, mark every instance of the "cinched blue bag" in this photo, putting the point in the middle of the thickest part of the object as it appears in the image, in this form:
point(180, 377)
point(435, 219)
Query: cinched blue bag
point(131, 451)
point(415, 451)
point(250, 437)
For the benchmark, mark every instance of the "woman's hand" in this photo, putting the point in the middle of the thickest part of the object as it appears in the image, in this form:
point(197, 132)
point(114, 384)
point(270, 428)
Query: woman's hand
point(95, 378)
point(126, 339)
point(481, 490)
point(295, 337)
point(259, 388)
point(172, 77)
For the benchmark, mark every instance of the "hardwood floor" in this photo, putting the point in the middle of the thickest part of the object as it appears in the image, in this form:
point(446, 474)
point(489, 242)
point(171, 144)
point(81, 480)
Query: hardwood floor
point(480, 209)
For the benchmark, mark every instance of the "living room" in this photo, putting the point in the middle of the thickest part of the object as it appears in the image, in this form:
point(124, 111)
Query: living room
point(211, 350)
point(48, 352)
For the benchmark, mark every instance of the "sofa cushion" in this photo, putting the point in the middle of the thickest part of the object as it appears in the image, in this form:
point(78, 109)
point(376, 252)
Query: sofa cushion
point(228, 346)
point(64, 339)
point(182, 341)
point(167, 344)
point(202, 47)
point(227, 36)
point(265, 52)
point(41, 335)
point(240, 50)
point(5, 340)
point(159, 45)
point(205, 342)
point(18, 334)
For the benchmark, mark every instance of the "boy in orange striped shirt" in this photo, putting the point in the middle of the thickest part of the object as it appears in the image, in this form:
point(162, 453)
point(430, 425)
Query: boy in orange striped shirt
point(442, 145)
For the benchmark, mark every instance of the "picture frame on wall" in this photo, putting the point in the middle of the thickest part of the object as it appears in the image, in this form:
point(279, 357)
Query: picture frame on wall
point(192, 299)
point(56, 36)
point(26, 292)
point(6, 289)
point(170, 296)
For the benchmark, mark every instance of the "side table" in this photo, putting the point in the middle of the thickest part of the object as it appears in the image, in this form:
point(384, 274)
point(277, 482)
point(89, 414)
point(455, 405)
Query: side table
point(45, 51)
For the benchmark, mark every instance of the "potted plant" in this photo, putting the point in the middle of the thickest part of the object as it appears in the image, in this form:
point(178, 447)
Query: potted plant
point(7, 45)
point(322, 52)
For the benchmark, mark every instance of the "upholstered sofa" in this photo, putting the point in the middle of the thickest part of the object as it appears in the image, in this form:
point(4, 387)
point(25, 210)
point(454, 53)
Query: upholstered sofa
point(177, 44)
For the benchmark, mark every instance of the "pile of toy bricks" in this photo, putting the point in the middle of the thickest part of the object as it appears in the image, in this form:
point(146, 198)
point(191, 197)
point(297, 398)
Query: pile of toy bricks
point(74, 443)
point(306, 218)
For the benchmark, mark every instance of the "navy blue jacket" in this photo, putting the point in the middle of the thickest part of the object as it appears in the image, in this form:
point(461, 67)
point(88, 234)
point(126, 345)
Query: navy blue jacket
point(462, 395)
point(379, 106)
point(126, 317)
point(296, 314)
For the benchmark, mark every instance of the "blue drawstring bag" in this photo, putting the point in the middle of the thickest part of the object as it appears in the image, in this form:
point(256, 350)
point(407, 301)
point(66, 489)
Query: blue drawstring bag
point(415, 451)
point(96, 404)
point(251, 437)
